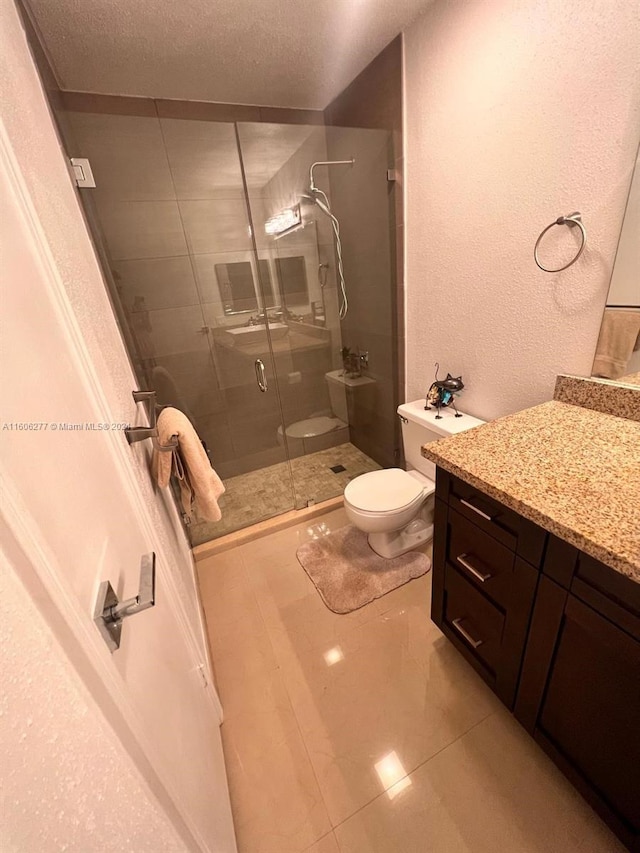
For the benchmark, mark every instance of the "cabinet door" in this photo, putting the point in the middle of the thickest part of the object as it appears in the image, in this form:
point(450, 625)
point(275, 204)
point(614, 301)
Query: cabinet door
point(590, 713)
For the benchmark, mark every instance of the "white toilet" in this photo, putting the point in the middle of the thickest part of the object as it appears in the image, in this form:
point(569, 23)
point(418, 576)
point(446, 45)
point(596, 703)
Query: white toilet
point(393, 506)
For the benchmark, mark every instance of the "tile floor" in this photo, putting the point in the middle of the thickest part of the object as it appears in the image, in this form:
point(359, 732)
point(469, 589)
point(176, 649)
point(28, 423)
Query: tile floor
point(261, 494)
point(368, 732)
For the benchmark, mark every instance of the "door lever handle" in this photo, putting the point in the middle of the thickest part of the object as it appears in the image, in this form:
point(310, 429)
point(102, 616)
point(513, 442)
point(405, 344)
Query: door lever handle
point(110, 613)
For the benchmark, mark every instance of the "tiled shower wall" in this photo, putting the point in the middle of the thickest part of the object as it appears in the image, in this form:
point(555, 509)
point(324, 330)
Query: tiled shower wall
point(284, 190)
point(170, 205)
point(156, 211)
point(366, 121)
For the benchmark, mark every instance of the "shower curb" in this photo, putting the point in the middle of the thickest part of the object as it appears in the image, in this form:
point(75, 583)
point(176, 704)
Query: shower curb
point(263, 528)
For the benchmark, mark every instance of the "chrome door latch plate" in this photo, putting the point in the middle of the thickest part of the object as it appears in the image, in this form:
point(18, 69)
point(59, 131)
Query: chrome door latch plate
point(109, 612)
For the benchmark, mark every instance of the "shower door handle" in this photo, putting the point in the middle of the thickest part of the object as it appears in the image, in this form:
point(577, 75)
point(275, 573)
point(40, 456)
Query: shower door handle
point(261, 376)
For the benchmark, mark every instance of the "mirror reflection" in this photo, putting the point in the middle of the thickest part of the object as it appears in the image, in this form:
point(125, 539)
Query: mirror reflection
point(280, 283)
point(292, 281)
point(618, 348)
point(237, 288)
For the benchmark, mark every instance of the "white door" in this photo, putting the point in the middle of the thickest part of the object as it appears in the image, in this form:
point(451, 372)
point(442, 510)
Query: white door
point(72, 499)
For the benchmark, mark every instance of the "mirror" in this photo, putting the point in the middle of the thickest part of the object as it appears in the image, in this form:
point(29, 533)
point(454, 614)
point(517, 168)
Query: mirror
point(296, 274)
point(237, 288)
point(617, 354)
point(292, 281)
point(287, 275)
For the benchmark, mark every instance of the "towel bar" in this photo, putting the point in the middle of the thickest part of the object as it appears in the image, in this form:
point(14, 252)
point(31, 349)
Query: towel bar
point(141, 433)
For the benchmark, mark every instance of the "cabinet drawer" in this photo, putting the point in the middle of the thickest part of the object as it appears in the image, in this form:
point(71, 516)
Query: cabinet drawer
point(609, 592)
point(510, 529)
point(472, 620)
point(480, 558)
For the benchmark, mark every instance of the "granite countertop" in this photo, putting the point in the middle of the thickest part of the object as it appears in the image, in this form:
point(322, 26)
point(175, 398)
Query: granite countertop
point(571, 470)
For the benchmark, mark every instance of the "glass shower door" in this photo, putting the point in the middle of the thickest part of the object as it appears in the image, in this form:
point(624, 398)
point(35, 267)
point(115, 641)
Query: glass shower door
point(241, 426)
point(294, 240)
point(170, 220)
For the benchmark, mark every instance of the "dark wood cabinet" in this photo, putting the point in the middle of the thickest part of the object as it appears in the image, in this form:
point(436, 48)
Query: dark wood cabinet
point(518, 534)
point(579, 695)
point(555, 633)
point(483, 590)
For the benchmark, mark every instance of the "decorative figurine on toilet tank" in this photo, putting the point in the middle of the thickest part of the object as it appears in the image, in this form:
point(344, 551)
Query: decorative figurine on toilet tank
point(441, 392)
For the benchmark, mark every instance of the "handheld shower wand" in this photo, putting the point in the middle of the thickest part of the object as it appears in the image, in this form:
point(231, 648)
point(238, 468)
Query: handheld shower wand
point(320, 198)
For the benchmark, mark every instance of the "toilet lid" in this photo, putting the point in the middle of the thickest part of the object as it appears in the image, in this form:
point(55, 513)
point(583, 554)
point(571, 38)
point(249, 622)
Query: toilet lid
point(312, 426)
point(383, 491)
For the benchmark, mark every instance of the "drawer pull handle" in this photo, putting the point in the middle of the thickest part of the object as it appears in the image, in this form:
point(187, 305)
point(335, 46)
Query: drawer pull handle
point(475, 509)
point(463, 559)
point(471, 640)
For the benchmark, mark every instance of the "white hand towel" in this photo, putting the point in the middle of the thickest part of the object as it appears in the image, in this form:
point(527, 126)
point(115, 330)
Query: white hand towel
point(200, 486)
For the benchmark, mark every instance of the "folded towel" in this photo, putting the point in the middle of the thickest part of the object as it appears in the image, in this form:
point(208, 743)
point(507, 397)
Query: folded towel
point(619, 337)
point(200, 486)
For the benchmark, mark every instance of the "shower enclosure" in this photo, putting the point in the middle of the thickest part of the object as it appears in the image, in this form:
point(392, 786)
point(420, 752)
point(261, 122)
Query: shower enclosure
point(225, 278)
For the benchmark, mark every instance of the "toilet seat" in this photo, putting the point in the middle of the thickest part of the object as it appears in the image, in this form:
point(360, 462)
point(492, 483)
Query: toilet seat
point(312, 426)
point(312, 434)
point(386, 491)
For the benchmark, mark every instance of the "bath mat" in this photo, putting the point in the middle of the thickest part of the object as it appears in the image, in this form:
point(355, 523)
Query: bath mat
point(348, 574)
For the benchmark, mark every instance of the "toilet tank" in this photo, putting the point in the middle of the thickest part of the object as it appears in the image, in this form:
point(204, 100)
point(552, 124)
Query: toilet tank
point(345, 392)
point(419, 426)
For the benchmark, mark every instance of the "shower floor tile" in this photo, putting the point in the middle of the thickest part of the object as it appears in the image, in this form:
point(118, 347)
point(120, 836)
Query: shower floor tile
point(261, 494)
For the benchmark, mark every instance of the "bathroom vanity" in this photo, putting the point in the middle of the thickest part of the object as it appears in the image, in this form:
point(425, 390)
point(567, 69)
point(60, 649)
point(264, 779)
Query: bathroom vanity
point(536, 581)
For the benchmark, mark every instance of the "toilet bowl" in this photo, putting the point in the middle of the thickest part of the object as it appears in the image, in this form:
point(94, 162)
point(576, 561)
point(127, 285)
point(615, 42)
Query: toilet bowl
point(395, 507)
point(313, 434)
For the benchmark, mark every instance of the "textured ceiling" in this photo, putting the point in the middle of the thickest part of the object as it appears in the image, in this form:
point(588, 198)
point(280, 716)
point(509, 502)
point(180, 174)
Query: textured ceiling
point(286, 53)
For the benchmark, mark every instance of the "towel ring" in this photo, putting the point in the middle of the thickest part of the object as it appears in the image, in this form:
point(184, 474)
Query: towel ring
point(570, 219)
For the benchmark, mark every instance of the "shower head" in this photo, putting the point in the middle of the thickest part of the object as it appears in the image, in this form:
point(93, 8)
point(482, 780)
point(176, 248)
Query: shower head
point(327, 163)
point(315, 196)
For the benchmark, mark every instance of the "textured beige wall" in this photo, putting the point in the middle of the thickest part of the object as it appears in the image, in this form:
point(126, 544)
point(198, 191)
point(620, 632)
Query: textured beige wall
point(517, 111)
